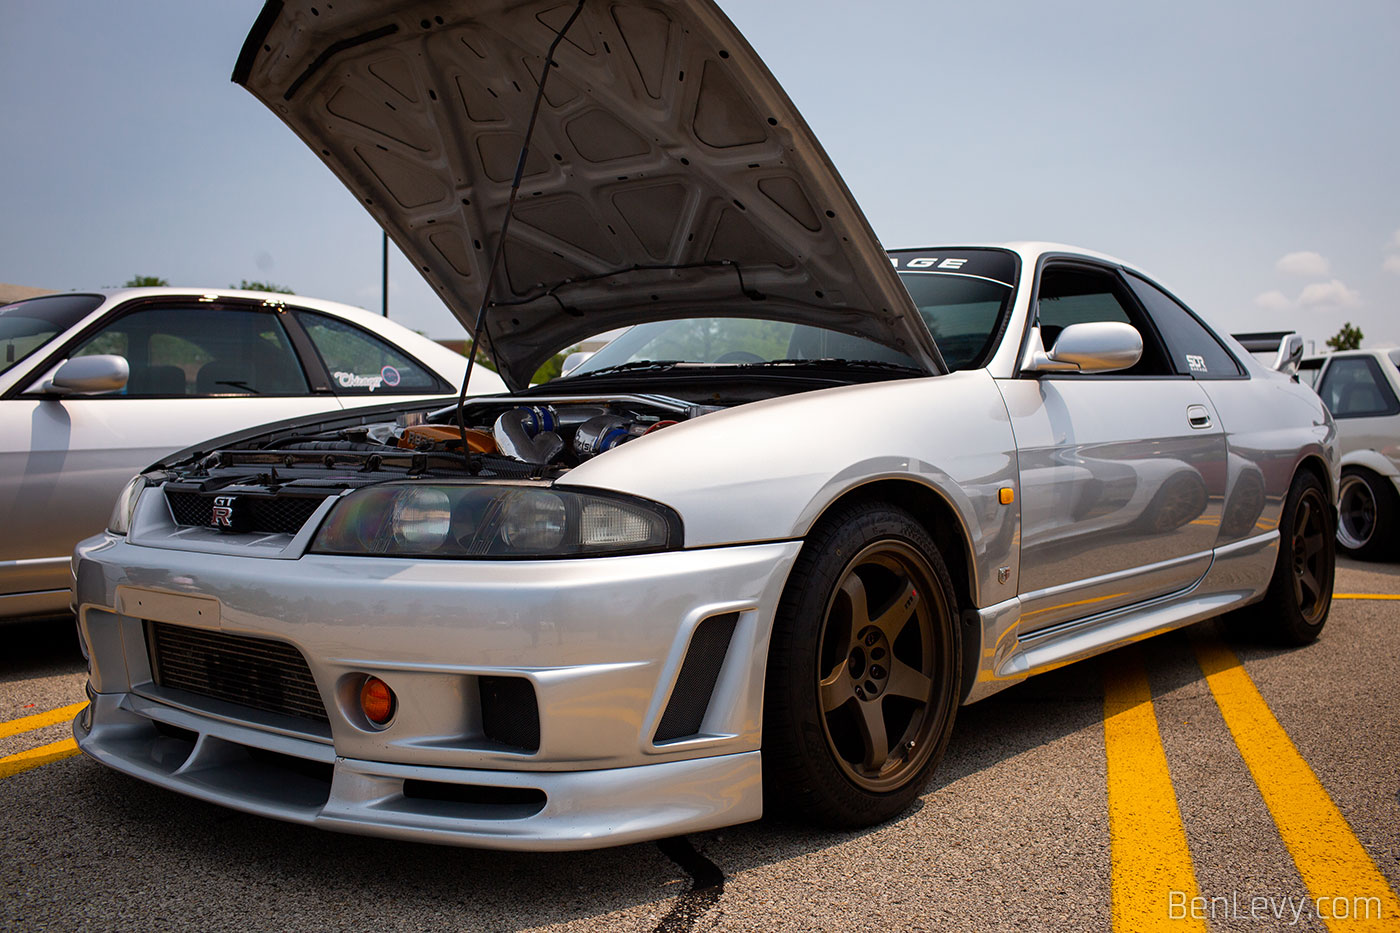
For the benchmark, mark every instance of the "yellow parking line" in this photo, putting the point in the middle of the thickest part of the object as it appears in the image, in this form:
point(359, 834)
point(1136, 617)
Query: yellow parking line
point(1365, 596)
point(40, 720)
point(1331, 860)
point(11, 765)
point(1151, 862)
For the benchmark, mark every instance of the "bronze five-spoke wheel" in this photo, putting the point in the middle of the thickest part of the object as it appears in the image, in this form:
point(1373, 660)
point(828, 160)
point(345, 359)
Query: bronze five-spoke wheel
point(864, 670)
point(1312, 557)
point(877, 661)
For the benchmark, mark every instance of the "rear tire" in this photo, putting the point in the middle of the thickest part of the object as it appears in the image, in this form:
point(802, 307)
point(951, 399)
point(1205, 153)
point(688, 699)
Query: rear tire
point(1367, 508)
point(1295, 607)
point(864, 671)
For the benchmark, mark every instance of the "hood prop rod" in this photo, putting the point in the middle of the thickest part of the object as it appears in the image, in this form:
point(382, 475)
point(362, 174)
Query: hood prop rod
point(477, 328)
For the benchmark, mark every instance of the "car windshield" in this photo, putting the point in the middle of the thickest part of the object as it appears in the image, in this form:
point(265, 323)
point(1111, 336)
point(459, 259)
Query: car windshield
point(963, 296)
point(735, 341)
point(27, 325)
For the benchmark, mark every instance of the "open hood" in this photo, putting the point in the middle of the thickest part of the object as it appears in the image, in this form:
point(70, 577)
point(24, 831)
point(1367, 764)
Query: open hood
point(668, 173)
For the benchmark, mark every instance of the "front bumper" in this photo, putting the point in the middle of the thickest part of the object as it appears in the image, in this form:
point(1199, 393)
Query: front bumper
point(602, 643)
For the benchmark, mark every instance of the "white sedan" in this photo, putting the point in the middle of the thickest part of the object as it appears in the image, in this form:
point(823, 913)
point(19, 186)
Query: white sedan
point(1362, 390)
point(95, 386)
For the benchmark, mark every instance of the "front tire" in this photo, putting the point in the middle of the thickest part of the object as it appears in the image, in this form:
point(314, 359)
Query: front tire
point(1366, 514)
point(864, 671)
point(1295, 606)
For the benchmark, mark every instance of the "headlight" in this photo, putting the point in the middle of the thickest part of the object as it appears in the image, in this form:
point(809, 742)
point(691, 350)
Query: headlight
point(486, 521)
point(120, 522)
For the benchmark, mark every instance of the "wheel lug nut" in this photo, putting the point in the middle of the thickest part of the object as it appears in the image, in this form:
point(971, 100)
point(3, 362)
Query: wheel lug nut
point(860, 693)
point(871, 639)
point(877, 672)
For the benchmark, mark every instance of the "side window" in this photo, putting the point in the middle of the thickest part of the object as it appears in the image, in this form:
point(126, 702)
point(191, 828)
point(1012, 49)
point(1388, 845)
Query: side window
point(1194, 350)
point(201, 351)
point(1075, 295)
point(1355, 387)
point(360, 363)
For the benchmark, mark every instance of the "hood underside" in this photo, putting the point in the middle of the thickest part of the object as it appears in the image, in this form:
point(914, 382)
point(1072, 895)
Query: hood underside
point(668, 174)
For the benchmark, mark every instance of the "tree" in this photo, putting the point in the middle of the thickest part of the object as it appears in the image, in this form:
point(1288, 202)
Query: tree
point(1348, 338)
point(550, 370)
point(145, 281)
point(248, 286)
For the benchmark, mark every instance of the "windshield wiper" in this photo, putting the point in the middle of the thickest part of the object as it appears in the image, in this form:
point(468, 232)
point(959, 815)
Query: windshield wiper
point(238, 384)
point(636, 366)
point(836, 363)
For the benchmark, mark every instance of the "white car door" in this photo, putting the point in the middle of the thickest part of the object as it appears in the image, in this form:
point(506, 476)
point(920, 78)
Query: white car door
point(198, 371)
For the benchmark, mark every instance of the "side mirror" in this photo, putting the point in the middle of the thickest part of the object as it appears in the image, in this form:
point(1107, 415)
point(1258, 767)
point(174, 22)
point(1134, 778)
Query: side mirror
point(1290, 354)
point(574, 361)
point(89, 375)
point(1099, 347)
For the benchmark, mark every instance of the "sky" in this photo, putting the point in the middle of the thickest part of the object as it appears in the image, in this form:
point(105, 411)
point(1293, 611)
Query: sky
point(1244, 154)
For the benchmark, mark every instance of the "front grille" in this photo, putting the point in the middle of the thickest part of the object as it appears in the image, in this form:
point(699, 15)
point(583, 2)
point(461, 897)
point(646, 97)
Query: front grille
point(264, 514)
point(271, 676)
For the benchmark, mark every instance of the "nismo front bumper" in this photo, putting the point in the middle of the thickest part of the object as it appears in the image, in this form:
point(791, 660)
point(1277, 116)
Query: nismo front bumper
point(601, 642)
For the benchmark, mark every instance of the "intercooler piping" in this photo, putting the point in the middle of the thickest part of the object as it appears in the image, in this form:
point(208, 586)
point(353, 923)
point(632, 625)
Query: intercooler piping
point(514, 437)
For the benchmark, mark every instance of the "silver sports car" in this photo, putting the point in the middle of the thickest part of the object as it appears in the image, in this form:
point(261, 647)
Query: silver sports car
point(754, 554)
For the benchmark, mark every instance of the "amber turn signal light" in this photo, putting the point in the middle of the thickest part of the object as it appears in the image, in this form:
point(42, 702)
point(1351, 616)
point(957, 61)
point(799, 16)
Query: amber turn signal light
point(377, 701)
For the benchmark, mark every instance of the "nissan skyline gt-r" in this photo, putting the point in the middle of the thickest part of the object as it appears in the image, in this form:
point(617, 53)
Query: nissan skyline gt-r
point(753, 554)
point(96, 385)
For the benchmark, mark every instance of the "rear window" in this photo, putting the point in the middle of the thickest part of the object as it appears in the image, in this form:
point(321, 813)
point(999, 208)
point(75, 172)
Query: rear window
point(25, 326)
point(1195, 351)
point(360, 363)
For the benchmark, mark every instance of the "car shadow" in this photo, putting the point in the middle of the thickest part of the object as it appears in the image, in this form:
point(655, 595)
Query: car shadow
point(40, 647)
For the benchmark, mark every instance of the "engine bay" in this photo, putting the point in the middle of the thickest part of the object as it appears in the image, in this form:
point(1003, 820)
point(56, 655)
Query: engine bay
point(536, 437)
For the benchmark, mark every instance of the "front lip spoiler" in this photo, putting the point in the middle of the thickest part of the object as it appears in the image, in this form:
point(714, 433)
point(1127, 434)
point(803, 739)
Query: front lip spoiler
point(269, 777)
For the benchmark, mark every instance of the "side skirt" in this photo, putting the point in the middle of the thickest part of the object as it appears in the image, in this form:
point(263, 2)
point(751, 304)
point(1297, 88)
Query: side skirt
point(1239, 574)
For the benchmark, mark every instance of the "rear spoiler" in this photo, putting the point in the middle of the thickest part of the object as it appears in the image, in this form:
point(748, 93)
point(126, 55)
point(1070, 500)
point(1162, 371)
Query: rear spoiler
point(1287, 342)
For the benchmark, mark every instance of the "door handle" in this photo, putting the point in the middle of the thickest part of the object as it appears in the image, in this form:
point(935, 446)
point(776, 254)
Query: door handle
point(1198, 416)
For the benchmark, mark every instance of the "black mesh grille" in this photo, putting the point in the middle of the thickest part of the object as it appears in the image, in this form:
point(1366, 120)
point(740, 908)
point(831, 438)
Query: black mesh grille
point(190, 508)
point(268, 515)
point(509, 712)
point(696, 681)
point(267, 675)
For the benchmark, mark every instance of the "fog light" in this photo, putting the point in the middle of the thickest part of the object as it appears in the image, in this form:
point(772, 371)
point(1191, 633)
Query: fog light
point(377, 701)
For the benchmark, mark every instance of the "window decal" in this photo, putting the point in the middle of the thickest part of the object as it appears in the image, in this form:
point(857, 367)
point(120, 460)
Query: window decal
point(360, 381)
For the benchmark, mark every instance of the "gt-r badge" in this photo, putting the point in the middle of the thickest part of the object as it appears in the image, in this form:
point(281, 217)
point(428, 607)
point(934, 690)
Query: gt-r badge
point(222, 516)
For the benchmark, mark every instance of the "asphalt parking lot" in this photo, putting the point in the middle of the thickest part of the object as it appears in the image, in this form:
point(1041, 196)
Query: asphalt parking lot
point(1188, 778)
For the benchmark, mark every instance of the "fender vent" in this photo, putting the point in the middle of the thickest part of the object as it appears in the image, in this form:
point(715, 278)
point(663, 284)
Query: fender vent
point(696, 682)
point(510, 713)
